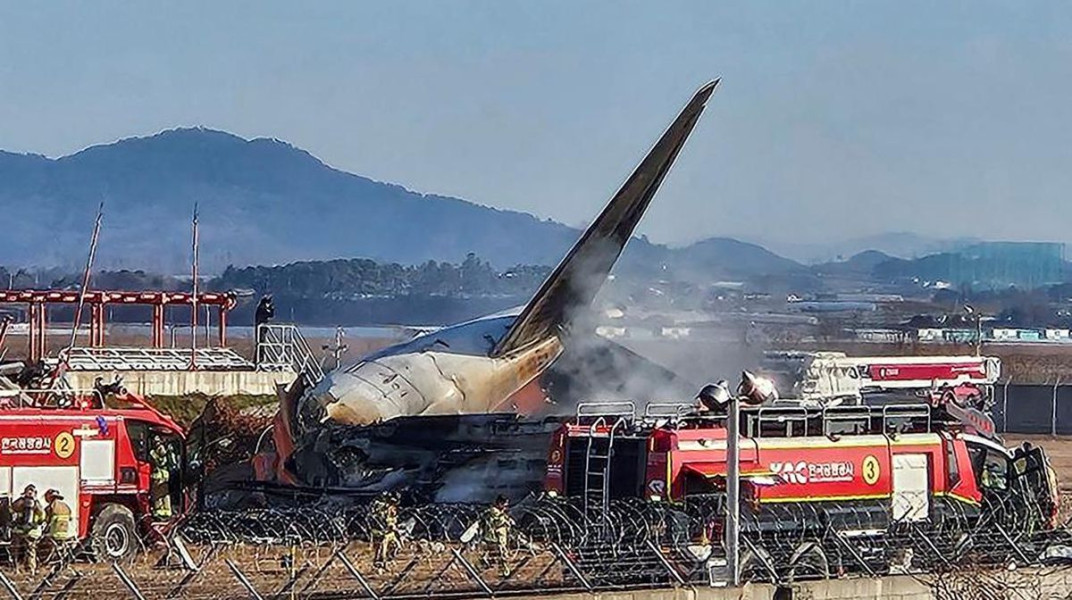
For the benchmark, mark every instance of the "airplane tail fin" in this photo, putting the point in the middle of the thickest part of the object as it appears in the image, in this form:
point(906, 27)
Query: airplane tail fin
point(579, 276)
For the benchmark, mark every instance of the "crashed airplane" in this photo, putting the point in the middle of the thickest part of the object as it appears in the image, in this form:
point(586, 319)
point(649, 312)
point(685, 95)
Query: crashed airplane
point(490, 364)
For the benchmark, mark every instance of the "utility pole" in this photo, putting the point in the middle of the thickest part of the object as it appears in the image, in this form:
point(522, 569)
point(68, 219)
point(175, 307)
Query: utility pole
point(733, 491)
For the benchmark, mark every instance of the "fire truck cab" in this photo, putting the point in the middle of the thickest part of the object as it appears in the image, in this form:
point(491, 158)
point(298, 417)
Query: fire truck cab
point(100, 459)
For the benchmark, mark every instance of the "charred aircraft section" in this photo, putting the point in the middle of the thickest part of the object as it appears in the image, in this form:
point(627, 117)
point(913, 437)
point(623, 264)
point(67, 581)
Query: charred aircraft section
point(474, 458)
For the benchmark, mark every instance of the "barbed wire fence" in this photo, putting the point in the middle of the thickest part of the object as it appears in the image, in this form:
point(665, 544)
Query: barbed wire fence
point(315, 553)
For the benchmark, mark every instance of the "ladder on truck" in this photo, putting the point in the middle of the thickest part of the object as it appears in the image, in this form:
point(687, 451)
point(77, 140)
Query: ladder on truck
point(611, 419)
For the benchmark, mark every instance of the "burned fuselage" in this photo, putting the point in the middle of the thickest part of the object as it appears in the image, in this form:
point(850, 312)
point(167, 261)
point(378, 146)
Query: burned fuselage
point(451, 458)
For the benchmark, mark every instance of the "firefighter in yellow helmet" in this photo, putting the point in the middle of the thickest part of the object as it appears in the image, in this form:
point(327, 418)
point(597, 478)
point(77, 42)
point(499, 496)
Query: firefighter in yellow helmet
point(384, 528)
point(496, 524)
point(160, 491)
point(57, 521)
point(28, 519)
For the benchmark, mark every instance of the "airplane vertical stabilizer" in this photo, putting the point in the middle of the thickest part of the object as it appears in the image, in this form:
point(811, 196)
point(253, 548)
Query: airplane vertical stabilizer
point(577, 279)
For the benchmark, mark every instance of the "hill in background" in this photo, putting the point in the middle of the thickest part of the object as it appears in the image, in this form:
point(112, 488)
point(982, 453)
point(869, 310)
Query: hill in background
point(264, 201)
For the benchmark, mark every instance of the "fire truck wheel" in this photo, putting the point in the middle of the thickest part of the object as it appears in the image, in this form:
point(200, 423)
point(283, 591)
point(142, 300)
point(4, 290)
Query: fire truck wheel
point(115, 534)
point(808, 562)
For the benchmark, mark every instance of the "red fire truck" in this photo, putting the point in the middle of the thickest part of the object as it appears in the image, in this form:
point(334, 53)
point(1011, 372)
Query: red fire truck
point(834, 480)
point(99, 458)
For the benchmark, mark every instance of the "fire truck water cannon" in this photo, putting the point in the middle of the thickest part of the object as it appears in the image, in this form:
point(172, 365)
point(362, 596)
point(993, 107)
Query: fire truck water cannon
point(753, 391)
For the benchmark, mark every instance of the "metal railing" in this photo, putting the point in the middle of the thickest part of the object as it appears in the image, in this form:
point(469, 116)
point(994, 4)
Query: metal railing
point(282, 347)
point(155, 359)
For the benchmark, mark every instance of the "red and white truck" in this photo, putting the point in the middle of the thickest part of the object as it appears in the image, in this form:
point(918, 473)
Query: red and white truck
point(99, 458)
point(826, 488)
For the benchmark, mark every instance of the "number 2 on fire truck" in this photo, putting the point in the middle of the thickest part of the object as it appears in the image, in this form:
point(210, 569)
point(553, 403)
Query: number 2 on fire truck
point(871, 470)
point(64, 445)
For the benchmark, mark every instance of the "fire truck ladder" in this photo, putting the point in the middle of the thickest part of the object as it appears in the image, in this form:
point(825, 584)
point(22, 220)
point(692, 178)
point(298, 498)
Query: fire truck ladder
point(597, 459)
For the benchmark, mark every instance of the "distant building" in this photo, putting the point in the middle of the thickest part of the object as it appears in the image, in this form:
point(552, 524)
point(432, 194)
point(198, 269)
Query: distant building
point(959, 336)
point(821, 306)
point(929, 334)
point(886, 336)
point(1057, 335)
point(1010, 334)
point(1004, 334)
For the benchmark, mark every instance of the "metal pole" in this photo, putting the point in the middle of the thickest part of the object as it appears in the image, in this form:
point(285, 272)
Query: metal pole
point(1005, 408)
point(241, 577)
point(128, 582)
point(10, 587)
point(193, 300)
point(733, 492)
point(85, 286)
point(1053, 414)
point(978, 334)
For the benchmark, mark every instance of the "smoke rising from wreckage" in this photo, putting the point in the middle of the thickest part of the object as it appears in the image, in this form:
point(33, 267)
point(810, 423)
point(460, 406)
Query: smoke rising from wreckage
point(492, 364)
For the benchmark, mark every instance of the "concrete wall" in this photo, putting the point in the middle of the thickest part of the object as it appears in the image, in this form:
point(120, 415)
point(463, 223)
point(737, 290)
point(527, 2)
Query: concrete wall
point(1028, 584)
point(895, 588)
point(180, 383)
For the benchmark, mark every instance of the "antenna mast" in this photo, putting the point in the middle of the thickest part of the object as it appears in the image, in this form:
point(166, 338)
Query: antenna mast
point(85, 284)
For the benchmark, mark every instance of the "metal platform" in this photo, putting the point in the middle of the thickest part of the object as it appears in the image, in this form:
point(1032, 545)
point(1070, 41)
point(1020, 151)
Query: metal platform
point(155, 359)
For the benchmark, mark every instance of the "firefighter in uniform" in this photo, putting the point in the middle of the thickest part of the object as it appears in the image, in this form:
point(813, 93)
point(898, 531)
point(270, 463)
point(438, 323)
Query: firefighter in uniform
point(28, 519)
point(57, 522)
point(385, 527)
point(496, 526)
point(161, 479)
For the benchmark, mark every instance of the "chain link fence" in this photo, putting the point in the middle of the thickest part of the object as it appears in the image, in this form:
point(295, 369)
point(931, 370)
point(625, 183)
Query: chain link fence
point(1033, 408)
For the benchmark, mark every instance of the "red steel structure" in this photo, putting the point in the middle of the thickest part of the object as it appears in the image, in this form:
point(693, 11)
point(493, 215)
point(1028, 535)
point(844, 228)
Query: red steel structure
point(98, 300)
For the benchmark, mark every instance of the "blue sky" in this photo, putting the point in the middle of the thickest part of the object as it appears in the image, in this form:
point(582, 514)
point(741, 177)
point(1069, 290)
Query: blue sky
point(834, 120)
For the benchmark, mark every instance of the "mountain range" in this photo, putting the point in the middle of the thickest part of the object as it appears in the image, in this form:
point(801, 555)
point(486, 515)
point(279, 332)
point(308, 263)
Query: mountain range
point(263, 201)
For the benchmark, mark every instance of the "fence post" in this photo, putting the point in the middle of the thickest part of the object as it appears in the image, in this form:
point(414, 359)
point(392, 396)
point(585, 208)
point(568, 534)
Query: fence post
point(666, 564)
point(10, 587)
point(1005, 407)
point(472, 572)
point(572, 567)
point(241, 577)
point(1053, 414)
point(358, 576)
point(127, 581)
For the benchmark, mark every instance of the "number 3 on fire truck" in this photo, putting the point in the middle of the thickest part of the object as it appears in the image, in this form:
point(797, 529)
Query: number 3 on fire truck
point(64, 445)
point(871, 470)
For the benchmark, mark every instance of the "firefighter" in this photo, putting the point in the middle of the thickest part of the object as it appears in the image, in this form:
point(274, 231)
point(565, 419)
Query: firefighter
point(496, 525)
point(57, 521)
point(385, 527)
point(161, 479)
point(28, 520)
point(262, 316)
